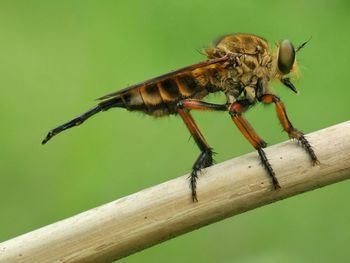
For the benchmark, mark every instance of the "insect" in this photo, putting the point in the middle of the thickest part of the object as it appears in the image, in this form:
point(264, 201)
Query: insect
point(239, 65)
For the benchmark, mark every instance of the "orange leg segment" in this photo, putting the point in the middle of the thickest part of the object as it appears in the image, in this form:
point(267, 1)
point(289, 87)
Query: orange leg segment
point(236, 110)
point(287, 125)
point(193, 128)
point(205, 159)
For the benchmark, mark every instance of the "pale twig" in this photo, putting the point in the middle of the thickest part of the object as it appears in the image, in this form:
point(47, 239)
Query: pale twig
point(146, 218)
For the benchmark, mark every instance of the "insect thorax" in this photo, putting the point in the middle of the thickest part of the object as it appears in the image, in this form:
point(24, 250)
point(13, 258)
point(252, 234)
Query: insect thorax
point(250, 64)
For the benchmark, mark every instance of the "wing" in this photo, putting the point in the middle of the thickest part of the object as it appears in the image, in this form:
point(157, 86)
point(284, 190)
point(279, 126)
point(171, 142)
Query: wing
point(186, 72)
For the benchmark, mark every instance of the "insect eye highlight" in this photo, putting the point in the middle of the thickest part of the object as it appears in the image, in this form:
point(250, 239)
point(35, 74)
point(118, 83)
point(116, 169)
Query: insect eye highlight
point(286, 56)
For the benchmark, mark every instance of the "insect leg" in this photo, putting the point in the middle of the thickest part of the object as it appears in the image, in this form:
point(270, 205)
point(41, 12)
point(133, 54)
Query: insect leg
point(192, 104)
point(102, 106)
point(205, 159)
point(287, 125)
point(236, 110)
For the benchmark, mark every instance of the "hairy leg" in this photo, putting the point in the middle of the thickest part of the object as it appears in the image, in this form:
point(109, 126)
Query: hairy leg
point(236, 110)
point(287, 125)
point(205, 159)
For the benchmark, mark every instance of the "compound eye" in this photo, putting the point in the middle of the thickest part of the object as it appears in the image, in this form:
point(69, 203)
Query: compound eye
point(286, 56)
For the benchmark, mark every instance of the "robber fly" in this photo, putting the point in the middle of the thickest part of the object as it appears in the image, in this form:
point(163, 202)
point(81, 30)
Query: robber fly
point(239, 65)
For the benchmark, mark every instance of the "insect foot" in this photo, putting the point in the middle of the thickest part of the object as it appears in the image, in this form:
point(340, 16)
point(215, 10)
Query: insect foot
point(205, 159)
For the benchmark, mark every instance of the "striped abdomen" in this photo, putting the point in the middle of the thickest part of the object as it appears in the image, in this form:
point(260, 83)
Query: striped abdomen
point(160, 96)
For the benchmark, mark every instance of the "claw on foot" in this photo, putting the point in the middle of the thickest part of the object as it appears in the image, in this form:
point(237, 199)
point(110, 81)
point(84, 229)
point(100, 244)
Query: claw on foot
point(204, 160)
point(315, 162)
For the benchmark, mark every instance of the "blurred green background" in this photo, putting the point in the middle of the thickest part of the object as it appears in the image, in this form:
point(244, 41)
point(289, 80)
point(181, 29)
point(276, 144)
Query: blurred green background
point(57, 56)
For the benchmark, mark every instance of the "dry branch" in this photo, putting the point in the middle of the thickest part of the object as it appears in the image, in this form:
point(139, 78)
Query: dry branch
point(146, 218)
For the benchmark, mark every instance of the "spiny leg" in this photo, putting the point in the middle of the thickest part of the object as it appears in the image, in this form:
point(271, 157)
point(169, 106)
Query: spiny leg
point(102, 106)
point(205, 159)
point(236, 110)
point(288, 127)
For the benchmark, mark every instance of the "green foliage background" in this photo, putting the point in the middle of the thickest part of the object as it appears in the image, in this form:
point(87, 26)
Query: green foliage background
point(57, 56)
